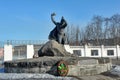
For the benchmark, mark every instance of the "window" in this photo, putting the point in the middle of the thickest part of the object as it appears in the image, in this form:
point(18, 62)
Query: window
point(110, 52)
point(94, 52)
point(77, 52)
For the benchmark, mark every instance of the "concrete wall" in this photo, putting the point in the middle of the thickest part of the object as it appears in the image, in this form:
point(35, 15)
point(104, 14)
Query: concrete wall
point(7, 52)
point(102, 50)
point(30, 51)
point(85, 51)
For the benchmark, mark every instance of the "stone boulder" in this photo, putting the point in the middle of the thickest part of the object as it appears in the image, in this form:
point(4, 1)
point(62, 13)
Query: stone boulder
point(53, 48)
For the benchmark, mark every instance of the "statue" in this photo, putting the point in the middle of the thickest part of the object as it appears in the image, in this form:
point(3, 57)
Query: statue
point(58, 33)
point(54, 47)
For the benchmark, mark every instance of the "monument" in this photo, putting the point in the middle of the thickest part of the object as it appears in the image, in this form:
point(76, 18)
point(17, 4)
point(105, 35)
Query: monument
point(58, 33)
point(54, 47)
point(55, 60)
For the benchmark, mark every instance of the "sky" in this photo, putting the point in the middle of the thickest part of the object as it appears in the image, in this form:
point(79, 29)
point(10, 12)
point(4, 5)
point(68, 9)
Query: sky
point(30, 19)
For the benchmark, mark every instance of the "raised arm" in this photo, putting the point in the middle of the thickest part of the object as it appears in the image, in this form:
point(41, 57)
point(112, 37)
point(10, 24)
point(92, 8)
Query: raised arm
point(53, 14)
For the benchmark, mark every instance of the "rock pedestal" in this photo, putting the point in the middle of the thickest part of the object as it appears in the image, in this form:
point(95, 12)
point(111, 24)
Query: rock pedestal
point(53, 48)
point(77, 66)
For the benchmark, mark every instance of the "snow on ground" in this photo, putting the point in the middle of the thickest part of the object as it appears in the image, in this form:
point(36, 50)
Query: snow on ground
point(115, 70)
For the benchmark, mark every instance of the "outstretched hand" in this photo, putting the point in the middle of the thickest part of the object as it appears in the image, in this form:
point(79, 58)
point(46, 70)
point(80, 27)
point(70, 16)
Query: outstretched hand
point(53, 14)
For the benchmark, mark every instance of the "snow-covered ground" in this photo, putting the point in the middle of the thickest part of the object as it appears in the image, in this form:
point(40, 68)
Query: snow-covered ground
point(27, 76)
point(31, 76)
point(115, 70)
point(1, 70)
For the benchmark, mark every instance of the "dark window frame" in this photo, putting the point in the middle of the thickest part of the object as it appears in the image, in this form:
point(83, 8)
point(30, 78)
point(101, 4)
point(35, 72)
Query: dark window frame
point(110, 52)
point(77, 52)
point(94, 53)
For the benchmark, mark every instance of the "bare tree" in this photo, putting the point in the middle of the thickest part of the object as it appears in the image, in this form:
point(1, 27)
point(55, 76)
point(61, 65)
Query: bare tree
point(100, 30)
point(71, 32)
point(115, 28)
point(93, 30)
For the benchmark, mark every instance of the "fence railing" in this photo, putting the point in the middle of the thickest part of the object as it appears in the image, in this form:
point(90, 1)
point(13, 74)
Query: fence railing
point(22, 42)
point(19, 47)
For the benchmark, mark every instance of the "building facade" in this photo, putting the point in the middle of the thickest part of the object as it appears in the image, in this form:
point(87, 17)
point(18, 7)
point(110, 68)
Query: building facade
point(1, 52)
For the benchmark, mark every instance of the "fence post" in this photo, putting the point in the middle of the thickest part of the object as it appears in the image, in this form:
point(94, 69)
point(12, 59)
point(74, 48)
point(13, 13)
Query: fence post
point(68, 49)
point(85, 50)
point(117, 51)
point(8, 52)
point(102, 50)
point(30, 51)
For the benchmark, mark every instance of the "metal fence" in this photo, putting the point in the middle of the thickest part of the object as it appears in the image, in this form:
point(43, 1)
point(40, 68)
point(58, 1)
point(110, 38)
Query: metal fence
point(23, 42)
point(19, 52)
point(19, 49)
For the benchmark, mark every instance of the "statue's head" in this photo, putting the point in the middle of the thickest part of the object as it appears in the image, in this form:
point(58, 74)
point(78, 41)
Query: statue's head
point(62, 20)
